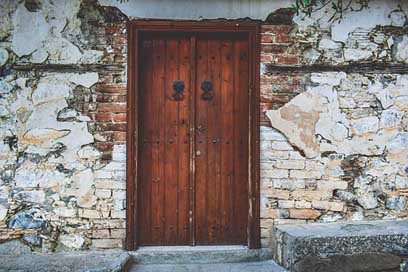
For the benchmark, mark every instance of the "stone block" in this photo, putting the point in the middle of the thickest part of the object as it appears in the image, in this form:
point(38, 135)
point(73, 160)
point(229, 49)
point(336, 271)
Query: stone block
point(304, 213)
point(345, 247)
point(106, 243)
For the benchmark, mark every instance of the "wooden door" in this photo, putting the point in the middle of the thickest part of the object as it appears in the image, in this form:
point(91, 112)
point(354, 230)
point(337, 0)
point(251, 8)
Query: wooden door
point(221, 140)
point(193, 139)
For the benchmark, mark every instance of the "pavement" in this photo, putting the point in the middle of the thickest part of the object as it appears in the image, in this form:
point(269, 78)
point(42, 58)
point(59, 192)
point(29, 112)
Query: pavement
point(263, 266)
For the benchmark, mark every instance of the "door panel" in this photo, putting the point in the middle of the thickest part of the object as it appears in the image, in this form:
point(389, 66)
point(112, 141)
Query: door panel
point(164, 164)
point(222, 141)
point(218, 171)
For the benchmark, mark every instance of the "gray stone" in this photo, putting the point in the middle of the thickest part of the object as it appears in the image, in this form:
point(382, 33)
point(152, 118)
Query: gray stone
point(345, 246)
point(400, 49)
point(398, 18)
point(3, 56)
point(95, 261)
point(34, 240)
point(26, 220)
point(397, 203)
point(72, 241)
point(13, 247)
point(351, 54)
point(391, 118)
point(199, 255)
point(30, 196)
point(265, 266)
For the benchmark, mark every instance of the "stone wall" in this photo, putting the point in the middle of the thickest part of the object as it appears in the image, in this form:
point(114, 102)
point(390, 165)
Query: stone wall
point(334, 124)
point(63, 124)
point(334, 136)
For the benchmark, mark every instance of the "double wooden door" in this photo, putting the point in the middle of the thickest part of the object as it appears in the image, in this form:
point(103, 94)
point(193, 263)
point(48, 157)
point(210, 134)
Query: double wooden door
point(193, 139)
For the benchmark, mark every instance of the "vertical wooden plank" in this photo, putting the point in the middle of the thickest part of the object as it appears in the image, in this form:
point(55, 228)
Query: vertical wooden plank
point(254, 240)
point(157, 119)
point(192, 140)
point(227, 140)
point(241, 107)
point(213, 108)
point(170, 157)
point(146, 143)
point(132, 140)
point(183, 203)
point(201, 154)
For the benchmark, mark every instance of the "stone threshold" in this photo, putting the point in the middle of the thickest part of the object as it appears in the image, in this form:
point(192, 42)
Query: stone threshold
point(199, 254)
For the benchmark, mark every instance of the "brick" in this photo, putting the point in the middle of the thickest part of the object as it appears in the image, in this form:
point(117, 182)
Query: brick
point(273, 48)
point(305, 174)
point(273, 154)
point(287, 59)
point(267, 38)
point(277, 145)
point(118, 233)
point(337, 206)
point(286, 204)
point(112, 89)
point(110, 98)
point(274, 173)
point(276, 28)
point(118, 214)
point(100, 233)
point(111, 107)
point(332, 185)
point(92, 214)
point(304, 213)
point(290, 184)
point(276, 193)
point(119, 117)
point(270, 213)
point(282, 38)
point(290, 164)
point(106, 243)
point(103, 193)
point(104, 146)
point(321, 205)
point(109, 184)
point(310, 195)
point(303, 204)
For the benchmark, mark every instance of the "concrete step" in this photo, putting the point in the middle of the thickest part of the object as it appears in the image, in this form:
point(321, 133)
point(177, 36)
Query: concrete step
point(199, 255)
point(342, 247)
point(263, 266)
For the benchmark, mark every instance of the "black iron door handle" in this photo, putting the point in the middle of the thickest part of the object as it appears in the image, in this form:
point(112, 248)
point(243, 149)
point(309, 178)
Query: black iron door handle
point(178, 87)
point(207, 87)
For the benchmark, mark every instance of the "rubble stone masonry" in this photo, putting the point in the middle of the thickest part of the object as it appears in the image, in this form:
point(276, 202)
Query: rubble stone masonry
point(334, 123)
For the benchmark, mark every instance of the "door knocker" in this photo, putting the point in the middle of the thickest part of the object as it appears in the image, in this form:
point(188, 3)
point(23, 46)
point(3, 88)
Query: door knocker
point(178, 87)
point(207, 88)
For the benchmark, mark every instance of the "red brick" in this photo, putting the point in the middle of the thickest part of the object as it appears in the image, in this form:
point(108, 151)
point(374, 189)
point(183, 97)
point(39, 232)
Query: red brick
point(111, 107)
point(287, 59)
point(273, 48)
point(102, 117)
point(267, 58)
point(276, 28)
point(119, 117)
point(110, 98)
point(111, 127)
point(282, 38)
point(119, 136)
point(107, 88)
point(104, 146)
point(267, 38)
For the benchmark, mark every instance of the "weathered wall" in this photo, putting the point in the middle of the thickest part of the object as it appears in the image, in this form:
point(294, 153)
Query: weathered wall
point(334, 136)
point(63, 124)
point(333, 144)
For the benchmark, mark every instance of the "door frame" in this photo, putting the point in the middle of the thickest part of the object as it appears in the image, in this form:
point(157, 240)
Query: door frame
point(134, 29)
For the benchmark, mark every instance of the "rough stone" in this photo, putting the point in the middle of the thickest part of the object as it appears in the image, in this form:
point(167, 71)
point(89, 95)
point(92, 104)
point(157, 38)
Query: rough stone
point(363, 246)
point(401, 49)
point(13, 247)
point(351, 54)
point(4, 55)
point(397, 203)
point(26, 220)
point(72, 241)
